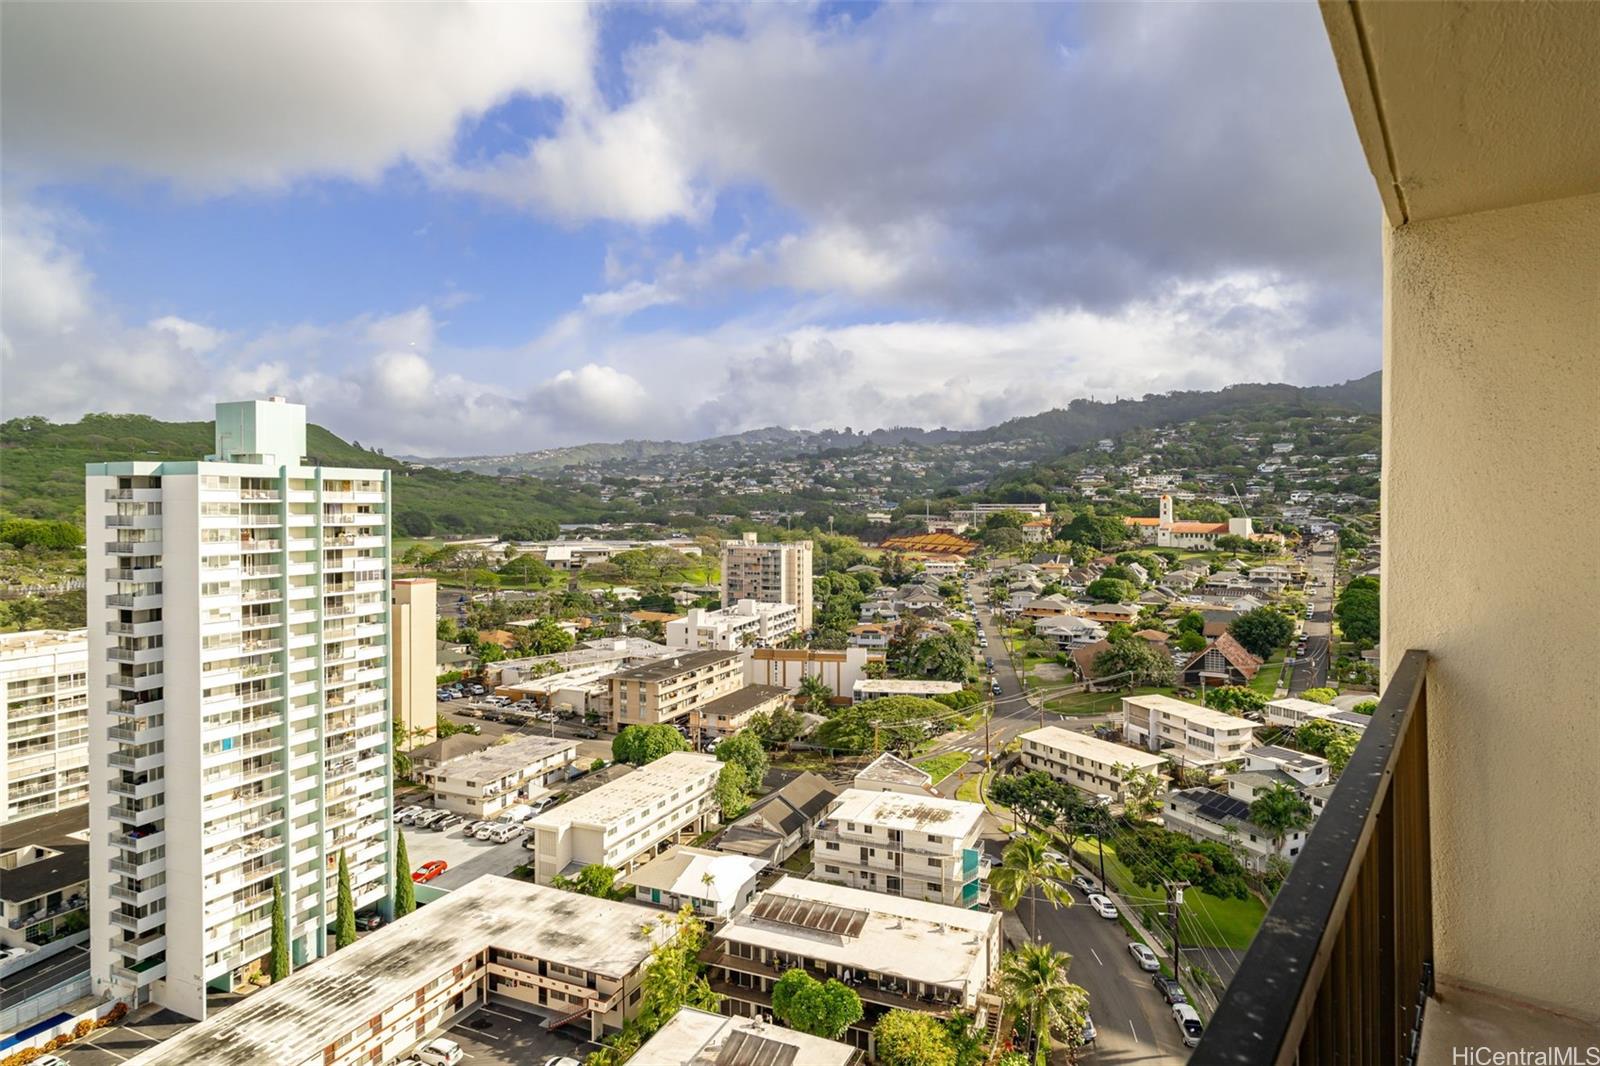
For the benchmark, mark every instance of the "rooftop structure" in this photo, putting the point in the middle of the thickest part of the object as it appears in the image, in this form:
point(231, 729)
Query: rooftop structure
point(890, 773)
point(714, 883)
point(698, 1038)
point(325, 1013)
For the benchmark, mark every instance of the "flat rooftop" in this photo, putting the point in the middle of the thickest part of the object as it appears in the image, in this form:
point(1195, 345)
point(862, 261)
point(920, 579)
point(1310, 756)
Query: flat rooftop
point(63, 833)
point(44, 640)
point(898, 937)
point(295, 1019)
point(498, 760)
point(1194, 712)
point(1092, 747)
point(698, 1038)
point(907, 685)
point(682, 663)
point(1285, 756)
point(611, 803)
point(898, 810)
point(1293, 703)
point(745, 699)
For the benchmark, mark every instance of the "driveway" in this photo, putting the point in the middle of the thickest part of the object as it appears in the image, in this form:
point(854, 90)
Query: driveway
point(499, 1035)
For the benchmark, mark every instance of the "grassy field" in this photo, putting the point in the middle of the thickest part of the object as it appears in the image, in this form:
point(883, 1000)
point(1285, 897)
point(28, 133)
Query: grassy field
point(942, 766)
point(1266, 679)
point(1206, 920)
point(1086, 703)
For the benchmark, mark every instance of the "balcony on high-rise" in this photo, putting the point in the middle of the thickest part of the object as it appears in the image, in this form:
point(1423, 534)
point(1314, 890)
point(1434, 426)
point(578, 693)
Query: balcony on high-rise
point(1446, 907)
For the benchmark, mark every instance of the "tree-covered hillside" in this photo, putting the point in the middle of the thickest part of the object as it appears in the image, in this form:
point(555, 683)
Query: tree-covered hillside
point(41, 475)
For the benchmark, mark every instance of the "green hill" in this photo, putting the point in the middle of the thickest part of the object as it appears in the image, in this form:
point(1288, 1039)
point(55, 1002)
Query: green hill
point(41, 475)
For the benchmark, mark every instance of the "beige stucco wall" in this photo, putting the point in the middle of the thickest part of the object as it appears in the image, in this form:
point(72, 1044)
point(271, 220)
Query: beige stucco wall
point(415, 621)
point(1491, 502)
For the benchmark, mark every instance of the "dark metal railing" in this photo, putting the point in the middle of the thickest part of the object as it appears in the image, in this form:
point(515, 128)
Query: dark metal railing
point(1343, 965)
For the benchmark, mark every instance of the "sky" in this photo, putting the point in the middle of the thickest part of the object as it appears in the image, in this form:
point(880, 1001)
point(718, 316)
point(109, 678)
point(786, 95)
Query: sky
point(465, 229)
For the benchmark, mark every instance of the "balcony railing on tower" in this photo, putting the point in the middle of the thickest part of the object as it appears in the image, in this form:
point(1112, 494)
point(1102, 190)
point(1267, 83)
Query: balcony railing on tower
point(1343, 965)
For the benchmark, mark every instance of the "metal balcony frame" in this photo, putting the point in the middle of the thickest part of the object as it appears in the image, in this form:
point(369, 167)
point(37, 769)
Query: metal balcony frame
point(1343, 965)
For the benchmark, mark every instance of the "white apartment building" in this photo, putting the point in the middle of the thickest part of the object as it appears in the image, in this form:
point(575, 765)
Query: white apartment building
point(484, 783)
point(778, 572)
point(45, 730)
point(785, 668)
point(741, 625)
point(239, 705)
point(558, 954)
point(629, 820)
point(1185, 732)
point(1086, 762)
point(921, 847)
point(1293, 712)
point(896, 953)
point(872, 688)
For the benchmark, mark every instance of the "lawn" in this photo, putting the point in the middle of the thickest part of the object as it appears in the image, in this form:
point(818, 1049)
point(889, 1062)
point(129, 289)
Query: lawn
point(816, 762)
point(1266, 679)
point(1206, 920)
point(942, 766)
point(972, 790)
point(1086, 703)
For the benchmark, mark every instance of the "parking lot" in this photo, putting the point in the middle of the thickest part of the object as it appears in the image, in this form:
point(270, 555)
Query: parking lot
point(140, 1031)
point(498, 1035)
point(467, 858)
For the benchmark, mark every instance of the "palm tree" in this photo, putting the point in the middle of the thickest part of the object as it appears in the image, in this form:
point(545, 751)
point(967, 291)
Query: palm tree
point(1033, 979)
point(1280, 811)
point(1025, 870)
point(815, 695)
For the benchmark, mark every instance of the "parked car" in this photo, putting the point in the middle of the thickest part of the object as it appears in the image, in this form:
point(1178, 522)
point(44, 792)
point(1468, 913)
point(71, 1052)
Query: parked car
point(1102, 905)
point(6, 954)
point(428, 871)
point(994, 688)
point(1082, 884)
point(1170, 990)
point(476, 690)
point(505, 833)
point(448, 822)
point(444, 695)
point(439, 1052)
point(1144, 956)
point(483, 830)
point(368, 922)
point(1087, 1033)
point(588, 734)
point(1188, 1023)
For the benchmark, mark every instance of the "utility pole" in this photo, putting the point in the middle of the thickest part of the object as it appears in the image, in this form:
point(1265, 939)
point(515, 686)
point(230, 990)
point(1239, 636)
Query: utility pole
point(987, 718)
point(1174, 906)
point(1100, 842)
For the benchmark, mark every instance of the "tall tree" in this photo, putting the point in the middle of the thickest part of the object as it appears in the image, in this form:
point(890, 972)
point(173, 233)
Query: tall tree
point(1280, 811)
point(821, 1008)
point(745, 749)
point(1141, 790)
point(637, 745)
point(1262, 631)
point(279, 962)
point(1034, 980)
point(732, 791)
point(345, 927)
point(405, 893)
point(674, 977)
point(1026, 871)
point(912, 1038)
point(815, 697)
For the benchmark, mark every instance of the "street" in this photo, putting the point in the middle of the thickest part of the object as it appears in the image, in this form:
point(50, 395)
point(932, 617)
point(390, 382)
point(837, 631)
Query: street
point(1311, 670)
point(1133, 1023)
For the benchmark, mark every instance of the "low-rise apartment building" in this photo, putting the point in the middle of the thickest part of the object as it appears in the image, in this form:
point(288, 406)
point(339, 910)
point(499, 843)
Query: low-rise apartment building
point(871, 688)
point(1187, 733)
point(629, 820)
point(1206, 814)
point(44, 879)
point(1291, 713)
point(713, 883)
point(699, 1038)
point(44, 728)
point(896, 953)
point(557, 953)
point(1086, 762)
point(726, 715)
point(742, 624)
point(921, 847)
point(673, 690)
point(484, 783)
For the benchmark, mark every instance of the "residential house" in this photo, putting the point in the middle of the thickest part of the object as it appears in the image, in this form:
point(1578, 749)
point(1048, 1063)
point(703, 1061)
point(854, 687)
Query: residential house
point(780, 823)
point(713, 884)
point(1223, 662)
point(890, 773)
point(1069, 631)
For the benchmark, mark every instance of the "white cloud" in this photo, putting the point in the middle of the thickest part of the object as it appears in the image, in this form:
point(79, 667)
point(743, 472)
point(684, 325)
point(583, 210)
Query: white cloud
point(594, 399)
point(221, 96)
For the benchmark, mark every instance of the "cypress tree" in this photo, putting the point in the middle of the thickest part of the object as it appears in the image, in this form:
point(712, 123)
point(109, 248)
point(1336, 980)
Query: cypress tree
point(279, 964)
point(345, 932)
point(405, 895)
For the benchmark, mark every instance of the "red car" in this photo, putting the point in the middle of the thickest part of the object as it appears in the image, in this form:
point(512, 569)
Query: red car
point(429, 870)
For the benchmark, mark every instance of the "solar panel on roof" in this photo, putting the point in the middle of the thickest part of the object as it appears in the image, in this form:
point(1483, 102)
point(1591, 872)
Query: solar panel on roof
point(745, 1048)
point(810, 914)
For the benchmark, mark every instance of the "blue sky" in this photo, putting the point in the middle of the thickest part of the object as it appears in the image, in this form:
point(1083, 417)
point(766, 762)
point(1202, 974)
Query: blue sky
point(487, 229)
